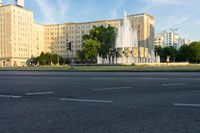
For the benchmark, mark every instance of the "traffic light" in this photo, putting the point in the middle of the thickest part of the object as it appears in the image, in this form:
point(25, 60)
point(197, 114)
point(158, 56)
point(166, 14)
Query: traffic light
point(69, 46)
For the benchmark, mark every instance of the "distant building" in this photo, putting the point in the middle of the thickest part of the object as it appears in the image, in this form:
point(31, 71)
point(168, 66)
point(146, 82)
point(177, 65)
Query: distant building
point(182, 42)
point(170, 38)
point(159, 40)
point(21, 38)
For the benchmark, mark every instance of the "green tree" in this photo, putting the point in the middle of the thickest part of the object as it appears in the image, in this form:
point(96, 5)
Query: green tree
point(160, 51)
point(195, 52)
point(56, 59)
point(90, 49)
point(166, 52)
point(41, 59)
point(108, 43)
point(81, 56)
point(183, 53)
point(48, 59)
point(85, 37)
point(170, 52)
point(106, 38)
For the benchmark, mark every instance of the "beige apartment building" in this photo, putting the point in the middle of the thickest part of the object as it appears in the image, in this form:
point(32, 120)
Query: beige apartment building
point(21, 38)
point(159, 40)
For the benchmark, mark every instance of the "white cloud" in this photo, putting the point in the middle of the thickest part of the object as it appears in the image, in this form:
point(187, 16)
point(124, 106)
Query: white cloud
point(183, 14)
point(46, 9)
point(115, 8)
point(63, 7)
point(170, 2)
point(51, 12)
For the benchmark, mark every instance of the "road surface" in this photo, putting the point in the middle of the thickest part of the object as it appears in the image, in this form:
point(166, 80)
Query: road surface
point(99, 102)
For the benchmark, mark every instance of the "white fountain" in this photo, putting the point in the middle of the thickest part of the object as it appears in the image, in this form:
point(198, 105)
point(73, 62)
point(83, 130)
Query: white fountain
point(126, 42)
point(126, 47)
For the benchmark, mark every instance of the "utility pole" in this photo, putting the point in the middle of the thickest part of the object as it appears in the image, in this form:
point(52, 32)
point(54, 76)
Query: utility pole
point(173, 31)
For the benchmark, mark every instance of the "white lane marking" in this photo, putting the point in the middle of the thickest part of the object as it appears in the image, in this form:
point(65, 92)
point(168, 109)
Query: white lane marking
point(85, 100)
point(174, 84)
point(100, 78)
point(10, 96)
point(114, 88)
point(130, 78)
point(155, 78)
point(184, 104)
point(39, 93)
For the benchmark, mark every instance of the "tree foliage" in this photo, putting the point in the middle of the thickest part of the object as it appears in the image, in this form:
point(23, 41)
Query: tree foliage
point(183, 54)
point(46, 59)
point(194, 49)
point(105, 36)
point(90, 49)
point(166, 52)
point(190, 53)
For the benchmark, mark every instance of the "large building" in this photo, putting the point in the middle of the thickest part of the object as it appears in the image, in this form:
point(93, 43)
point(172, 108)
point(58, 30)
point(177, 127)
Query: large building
point(159, 40)
point(182, 42)
point(170, 38)
point(21, 38)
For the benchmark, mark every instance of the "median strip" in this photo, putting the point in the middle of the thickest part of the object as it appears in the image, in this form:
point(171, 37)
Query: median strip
point(39, 93)
point(85, 100)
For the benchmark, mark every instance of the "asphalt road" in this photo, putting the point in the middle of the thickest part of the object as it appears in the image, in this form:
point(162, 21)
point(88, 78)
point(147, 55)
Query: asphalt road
point(84, 102)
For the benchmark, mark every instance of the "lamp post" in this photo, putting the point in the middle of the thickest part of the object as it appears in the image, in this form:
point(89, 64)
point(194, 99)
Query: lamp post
point(6, 49)
point(173, 31)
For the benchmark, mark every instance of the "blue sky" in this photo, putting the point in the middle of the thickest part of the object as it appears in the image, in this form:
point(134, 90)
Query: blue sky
point(182, 14)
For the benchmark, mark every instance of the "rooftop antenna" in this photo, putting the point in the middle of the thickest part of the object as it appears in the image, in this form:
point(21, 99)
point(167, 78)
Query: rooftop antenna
point(1, 2)
point(20, 3)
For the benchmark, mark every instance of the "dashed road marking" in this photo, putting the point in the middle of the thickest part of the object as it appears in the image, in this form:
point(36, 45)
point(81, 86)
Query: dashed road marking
point(9, 96)
point(155, 78)
point(184, 104)
point(113, 88)
point(39, 93)
point(85, 100)
point(174, 84)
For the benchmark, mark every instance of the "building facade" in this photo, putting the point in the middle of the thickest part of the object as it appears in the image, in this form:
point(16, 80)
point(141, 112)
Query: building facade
point(21, 38)
point(170, 38)
point(159, 40)
point(182, 42)
point(15, 35)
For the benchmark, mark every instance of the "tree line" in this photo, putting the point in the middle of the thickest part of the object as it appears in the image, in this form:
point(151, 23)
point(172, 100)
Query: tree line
point(46, 59)
point(186, 53)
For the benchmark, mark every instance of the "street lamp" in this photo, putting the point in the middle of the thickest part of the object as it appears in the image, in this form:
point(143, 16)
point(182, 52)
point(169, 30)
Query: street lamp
point(173, 31)
point(7, 47)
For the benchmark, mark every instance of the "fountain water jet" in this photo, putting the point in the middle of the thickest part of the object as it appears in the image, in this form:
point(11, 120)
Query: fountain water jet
point(126, 47)
point(127, 40)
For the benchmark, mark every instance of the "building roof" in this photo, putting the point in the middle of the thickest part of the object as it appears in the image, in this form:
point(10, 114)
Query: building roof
point(15, 6)
point(68, 23)
point(99, 21)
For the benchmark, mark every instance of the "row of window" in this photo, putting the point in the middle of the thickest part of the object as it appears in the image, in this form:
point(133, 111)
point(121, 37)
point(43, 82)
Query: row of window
point(79, 27)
